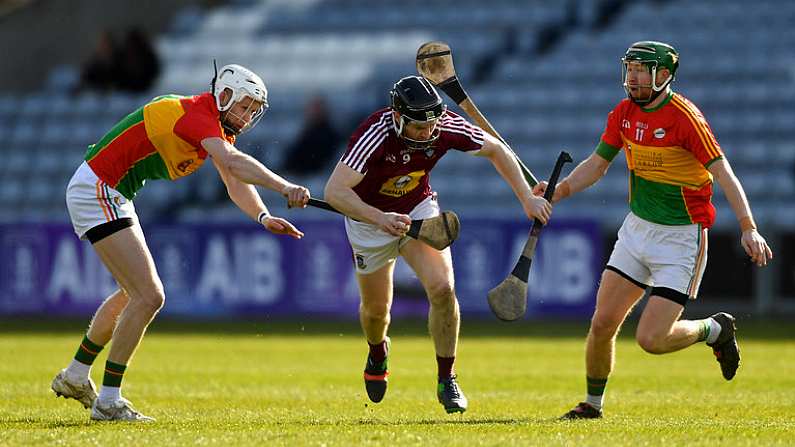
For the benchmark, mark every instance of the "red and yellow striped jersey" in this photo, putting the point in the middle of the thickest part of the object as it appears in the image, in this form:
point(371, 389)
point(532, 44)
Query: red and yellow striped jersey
point(668, 150)
point(161, 140)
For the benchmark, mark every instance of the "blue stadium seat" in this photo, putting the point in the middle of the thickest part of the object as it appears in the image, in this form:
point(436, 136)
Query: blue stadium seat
point(539, 103)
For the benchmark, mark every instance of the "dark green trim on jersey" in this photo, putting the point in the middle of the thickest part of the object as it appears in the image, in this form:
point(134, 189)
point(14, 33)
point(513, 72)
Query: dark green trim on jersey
point(607, 151)
point(709, 163)
point(151, 167)
point(660, 105)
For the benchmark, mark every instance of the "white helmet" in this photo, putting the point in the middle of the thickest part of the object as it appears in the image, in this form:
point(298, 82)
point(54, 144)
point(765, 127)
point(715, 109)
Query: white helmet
point(241, 82)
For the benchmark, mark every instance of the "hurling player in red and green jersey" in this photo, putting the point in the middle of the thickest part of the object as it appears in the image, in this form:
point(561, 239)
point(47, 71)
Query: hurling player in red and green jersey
point(168, 138)
point(673, 158)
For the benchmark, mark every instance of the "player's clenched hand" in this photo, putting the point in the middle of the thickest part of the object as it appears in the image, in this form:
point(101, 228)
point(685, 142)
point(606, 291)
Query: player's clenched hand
point(277, 225)
point(538, 208)
point(297, 196)
point(394, 223)
point(540, 188)
point(756, 247)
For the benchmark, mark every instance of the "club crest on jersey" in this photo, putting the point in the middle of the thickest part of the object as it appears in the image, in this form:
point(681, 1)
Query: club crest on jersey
point(401, 185)
point(183, 166)
point(659, 133)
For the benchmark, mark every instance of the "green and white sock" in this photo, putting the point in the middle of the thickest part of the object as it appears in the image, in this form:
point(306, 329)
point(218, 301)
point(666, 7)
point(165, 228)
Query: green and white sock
point(709, 331)
point(596, 392)
point(114, 373)
point(111, 382)
point(80, 367)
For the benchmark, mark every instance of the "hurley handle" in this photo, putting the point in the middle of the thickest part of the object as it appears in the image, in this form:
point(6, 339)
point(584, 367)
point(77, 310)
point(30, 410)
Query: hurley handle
point(563, 158)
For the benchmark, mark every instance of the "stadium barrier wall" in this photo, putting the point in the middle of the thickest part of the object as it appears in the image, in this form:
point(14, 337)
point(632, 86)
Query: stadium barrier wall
point(231, 270)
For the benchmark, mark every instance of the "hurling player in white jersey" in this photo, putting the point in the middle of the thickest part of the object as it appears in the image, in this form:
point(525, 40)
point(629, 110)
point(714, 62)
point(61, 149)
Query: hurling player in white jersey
point(382, 183)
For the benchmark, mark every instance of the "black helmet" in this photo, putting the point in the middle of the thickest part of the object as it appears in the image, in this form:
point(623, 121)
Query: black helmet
point(416, 100)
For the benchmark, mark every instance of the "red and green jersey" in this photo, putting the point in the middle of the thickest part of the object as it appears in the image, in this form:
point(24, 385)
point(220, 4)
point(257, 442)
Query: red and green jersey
point(161, 140)
point(668, 150)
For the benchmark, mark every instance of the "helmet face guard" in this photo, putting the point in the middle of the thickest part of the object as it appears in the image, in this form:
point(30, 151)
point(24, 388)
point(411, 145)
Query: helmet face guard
point(652, 55)
point(239, 82)
point(231, 125)
point(411, 143)
point(416, 100)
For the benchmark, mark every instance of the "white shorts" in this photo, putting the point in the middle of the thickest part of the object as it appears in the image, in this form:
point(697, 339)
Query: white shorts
point(373, 248)
point(661, 256)
point(92, 202)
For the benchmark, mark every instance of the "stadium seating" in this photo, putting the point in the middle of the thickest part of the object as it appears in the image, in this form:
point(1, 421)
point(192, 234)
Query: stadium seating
point(541, 103)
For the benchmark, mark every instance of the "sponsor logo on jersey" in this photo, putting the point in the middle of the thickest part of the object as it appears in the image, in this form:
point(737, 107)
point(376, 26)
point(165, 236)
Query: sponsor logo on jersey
point(625, 124)
point(648, 159)
point(659, 133)
point(391, 157)
point(401, 185)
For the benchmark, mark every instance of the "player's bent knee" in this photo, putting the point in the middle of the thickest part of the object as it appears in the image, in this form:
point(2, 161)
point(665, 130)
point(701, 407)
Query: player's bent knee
point(441, 292)
point(651, 343)
point(155, 302)
point(150, 300)
point(375, 312)
point(604, 327)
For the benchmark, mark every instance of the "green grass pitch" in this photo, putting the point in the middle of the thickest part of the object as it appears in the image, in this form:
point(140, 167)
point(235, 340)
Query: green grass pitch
point(285, 383)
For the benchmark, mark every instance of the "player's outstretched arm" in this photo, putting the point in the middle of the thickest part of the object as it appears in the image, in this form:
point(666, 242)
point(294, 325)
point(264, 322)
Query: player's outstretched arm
point(505, 163)
point(248, 170)
point(754, 244)
point(245, 196)
point(588, 172)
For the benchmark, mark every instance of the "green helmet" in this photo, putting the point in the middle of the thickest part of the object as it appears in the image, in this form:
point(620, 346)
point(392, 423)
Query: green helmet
point(653, 55)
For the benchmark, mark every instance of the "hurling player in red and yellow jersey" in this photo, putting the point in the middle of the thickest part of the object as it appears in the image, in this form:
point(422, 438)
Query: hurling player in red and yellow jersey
point(382, 183)
point(673, 158)
point(168, 138)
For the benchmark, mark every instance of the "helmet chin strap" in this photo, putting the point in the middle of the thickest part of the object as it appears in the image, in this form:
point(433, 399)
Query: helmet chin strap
point(398, 123)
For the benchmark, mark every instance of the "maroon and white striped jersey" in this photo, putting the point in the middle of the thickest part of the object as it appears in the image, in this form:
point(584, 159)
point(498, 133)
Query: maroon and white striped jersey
point(396, 179)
